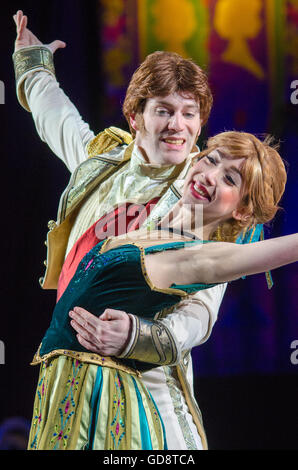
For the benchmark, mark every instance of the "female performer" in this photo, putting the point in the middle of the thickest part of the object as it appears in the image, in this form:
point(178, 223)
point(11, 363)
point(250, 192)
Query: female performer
point(86, 401)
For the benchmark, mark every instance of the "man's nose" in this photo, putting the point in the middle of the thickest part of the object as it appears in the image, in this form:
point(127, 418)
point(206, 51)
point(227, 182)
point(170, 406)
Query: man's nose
point(176, 122)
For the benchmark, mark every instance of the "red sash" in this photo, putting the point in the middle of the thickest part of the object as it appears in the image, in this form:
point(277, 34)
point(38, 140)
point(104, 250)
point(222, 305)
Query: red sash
point(123, 219)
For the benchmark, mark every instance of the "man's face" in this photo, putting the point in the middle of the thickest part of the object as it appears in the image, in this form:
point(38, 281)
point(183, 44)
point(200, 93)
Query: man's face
point(172, 126)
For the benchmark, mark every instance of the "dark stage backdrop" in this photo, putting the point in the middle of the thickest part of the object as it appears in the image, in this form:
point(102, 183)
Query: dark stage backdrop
point(246, 373)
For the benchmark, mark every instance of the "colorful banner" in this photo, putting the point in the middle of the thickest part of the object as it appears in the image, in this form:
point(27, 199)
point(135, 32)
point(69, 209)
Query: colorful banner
point(291, 50)
point(180, 26)
point(245, 64)
point(120, 53)
point(240, 43)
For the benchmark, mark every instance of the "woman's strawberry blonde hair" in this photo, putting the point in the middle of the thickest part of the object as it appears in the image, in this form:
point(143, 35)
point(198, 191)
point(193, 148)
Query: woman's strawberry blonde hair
point(263, 179)
point(164, 73)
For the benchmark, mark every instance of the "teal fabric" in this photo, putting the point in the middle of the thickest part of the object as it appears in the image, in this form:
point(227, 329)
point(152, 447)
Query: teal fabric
point(110, 280)
point(161, 420)
point(145, 433)
point(188, 288)
point(95, 402)
point(253, 235)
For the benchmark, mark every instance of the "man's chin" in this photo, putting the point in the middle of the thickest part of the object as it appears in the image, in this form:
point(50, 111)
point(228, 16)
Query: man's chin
point(174, 158)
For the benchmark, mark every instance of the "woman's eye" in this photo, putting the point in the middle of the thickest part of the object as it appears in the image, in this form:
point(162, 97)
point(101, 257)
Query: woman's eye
point(230, 180)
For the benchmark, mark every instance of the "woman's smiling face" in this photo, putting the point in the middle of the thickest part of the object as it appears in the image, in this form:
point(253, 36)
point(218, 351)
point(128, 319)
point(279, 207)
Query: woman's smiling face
point(215, 182)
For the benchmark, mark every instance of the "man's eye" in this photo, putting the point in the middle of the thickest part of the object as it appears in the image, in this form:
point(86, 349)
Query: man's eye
point(162, 112)
point(211, 160)
point(189, 115)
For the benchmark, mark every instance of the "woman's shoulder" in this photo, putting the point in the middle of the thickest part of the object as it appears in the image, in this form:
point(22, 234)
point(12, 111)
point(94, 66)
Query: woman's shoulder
point(146, 239)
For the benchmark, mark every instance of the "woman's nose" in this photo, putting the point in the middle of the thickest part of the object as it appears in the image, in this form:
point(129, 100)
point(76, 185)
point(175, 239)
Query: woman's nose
point(210, 176)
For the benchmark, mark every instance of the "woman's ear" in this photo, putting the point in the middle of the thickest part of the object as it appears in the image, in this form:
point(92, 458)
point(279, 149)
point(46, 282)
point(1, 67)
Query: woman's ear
point(238, 215)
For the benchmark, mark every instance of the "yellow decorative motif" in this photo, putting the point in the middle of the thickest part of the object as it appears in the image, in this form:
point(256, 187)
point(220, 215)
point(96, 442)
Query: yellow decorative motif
point(166, 290)
point(112, 10)
point(291, 47)
point(107, 140)
point(25, 61)
point(175, 23)
point(114, 61)
point(52, 224)
point(117, 56)
point(238, 21)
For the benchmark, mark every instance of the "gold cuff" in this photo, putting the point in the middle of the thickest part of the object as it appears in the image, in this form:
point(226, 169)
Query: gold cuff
point(27, 60)
point(153, 343)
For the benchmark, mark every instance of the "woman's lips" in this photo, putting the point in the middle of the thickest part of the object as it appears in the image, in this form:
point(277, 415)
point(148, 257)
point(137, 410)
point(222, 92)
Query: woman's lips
point(199, 192)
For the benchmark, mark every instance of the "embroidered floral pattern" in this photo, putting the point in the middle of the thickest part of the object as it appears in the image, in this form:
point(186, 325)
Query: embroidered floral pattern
point(118, 424)
point(39, 402)
point(62, 430)
point(72, 383)
point(61, 433)
point(59, 422)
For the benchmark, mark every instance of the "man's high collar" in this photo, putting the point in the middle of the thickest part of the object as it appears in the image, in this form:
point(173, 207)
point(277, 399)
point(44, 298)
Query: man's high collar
point(154, 170)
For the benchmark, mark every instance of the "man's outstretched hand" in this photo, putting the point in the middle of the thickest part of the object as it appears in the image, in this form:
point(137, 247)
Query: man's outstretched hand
point(26, 38)
point(106, 335)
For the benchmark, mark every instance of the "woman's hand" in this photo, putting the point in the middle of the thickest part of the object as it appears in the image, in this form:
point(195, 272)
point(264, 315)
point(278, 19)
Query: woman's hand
point(106, 335)
point(26, 38)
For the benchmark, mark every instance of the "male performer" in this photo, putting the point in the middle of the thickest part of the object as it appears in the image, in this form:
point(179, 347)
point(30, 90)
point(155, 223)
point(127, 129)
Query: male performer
point(115, 176)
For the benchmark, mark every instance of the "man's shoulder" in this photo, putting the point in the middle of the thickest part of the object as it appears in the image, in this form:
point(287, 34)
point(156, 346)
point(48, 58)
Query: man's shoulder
point(108, 140)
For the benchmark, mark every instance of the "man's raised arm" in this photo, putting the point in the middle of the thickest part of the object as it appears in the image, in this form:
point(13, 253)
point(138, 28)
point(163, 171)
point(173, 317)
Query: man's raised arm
point(57, 121)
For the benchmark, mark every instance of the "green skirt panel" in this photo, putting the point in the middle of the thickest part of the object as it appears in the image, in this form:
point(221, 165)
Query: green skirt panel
point(82, 406)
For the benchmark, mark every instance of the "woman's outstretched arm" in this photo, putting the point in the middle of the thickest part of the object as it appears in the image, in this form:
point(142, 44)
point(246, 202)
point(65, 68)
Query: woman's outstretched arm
point(222, 262)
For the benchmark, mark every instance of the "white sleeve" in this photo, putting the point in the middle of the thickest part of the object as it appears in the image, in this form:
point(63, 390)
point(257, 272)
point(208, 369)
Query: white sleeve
point(187, 325)
point(57, 120)
point(192, 320)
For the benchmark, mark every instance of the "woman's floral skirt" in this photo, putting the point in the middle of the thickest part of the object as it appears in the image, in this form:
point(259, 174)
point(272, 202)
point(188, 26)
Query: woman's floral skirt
point(81, 406)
